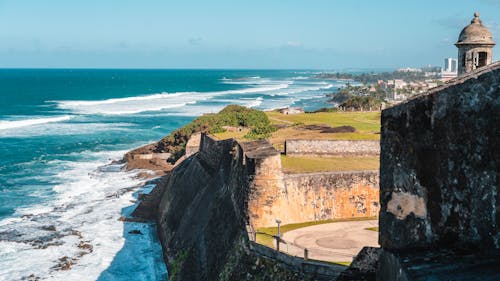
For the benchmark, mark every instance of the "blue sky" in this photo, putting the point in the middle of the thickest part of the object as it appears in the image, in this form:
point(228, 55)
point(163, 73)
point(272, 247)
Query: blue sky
point(318, 34)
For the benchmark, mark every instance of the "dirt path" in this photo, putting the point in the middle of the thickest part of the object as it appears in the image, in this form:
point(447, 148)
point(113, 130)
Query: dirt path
point(336, 242)
point(280, 120)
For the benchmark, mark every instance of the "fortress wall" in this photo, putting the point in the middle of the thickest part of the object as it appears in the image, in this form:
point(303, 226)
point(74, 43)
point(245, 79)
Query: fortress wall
point(212, 151)
point(206, 205)
point(332, 147)
point(315, 196)
point(193, 144)
point(440, 168)
point(294, 198)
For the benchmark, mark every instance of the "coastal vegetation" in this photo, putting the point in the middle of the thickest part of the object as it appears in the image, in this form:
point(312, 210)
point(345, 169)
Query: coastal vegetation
point(373, 77)
point(257, 124)
point(358, 97)
point(362, 103)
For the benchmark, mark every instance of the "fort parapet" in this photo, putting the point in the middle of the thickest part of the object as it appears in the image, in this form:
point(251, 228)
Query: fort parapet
point(329, 148)
point(440, 183)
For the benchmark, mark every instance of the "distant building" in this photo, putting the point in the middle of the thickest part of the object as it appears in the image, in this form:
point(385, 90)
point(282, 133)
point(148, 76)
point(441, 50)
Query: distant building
point(408, 69)
point(475, 45)
point(399, 84)
point(431, 85)
point(291, 110)
point(450, 65)
point(450, 69)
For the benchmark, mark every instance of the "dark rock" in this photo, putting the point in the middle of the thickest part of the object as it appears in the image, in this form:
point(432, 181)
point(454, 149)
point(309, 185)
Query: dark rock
point(148, 205)
point(49, 228)
point(65, 263)
point(86, 246)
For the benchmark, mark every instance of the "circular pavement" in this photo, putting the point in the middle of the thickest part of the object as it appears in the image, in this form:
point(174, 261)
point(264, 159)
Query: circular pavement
point(335, 242)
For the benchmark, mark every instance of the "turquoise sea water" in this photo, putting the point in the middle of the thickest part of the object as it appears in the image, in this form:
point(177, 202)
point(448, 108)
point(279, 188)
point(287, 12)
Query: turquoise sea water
point(60, 129)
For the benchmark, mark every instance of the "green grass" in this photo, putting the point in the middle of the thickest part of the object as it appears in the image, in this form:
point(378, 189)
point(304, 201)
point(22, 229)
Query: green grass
point(324, 164)
point(367, 125)
point(344, 263)
point(362, 121)
point(267, 240)
point(240, 136)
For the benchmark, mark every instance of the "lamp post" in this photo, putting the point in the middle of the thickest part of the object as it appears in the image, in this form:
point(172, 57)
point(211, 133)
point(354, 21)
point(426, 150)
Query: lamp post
point(278, 221)
point(278, 237)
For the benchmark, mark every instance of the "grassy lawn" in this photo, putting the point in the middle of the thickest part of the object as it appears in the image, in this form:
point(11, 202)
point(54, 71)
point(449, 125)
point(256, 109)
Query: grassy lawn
point(236, 135)
point(267, 240)
point(328, 164)
point(367, 126)
point(362, 121)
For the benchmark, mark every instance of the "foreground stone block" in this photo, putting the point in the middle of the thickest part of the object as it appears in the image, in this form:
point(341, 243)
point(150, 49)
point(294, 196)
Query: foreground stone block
point(440, 168)
point(363, 267)
point(439, 266)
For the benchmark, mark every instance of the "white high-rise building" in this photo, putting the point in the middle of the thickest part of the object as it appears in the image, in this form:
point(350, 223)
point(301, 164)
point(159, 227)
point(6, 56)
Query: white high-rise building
point(450, 69)
point(450, 65)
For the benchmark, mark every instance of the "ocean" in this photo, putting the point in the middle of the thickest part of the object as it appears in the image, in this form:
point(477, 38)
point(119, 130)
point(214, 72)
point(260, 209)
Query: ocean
point(60, 129)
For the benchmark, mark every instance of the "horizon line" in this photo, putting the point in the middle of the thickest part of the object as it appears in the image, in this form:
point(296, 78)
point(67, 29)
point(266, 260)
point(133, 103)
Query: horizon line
point(206, 68)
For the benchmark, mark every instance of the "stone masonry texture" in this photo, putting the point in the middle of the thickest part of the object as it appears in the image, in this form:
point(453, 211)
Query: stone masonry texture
point(440, 168)
point(332, 147)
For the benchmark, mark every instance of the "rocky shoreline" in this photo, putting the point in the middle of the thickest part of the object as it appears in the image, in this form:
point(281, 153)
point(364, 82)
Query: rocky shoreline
point(145, 158)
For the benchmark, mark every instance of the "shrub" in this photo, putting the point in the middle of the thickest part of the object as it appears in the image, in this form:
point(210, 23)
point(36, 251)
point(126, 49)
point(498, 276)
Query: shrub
point(360, 103)
point(231, 115)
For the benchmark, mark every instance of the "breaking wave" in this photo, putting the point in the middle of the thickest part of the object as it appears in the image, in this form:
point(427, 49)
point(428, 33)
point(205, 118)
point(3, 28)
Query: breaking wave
point(4, 125)
point(154, 102)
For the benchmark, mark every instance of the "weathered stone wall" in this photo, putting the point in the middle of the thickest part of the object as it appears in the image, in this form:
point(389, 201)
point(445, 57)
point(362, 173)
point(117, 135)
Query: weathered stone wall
point(295, 198)
point(202, 217)
point(315, 196)
point(202, 211)
point(440, 168)
point(332, 147)
point(193, 144)
point(213, 151)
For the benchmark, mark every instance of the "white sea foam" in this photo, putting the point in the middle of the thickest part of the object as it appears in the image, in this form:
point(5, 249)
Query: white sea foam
point(254, 80)
point(254, 103)
point(85, 210)
point(4, 125)
point(65, 129)
point(155, 102)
